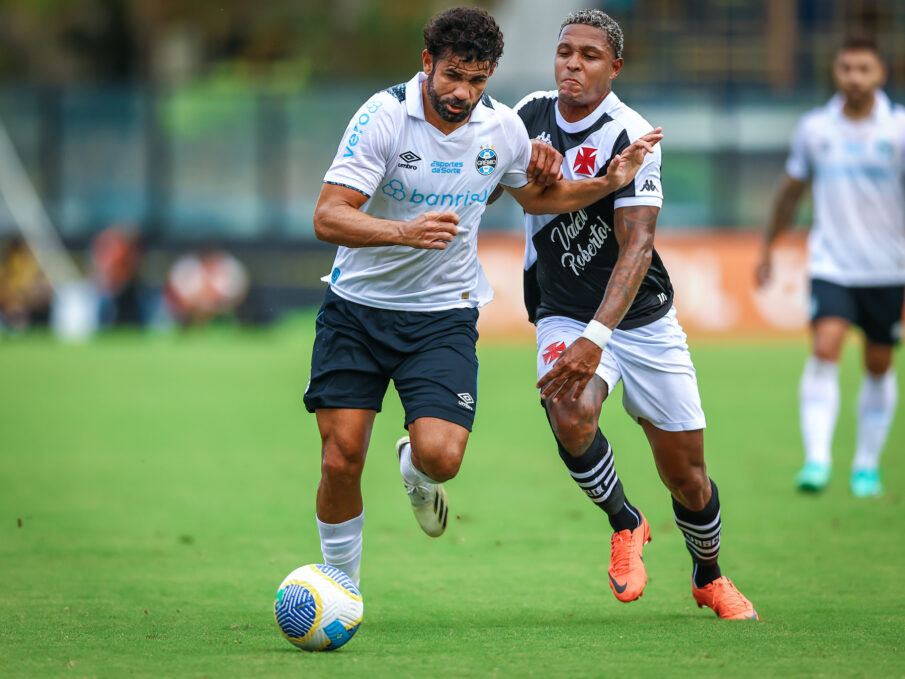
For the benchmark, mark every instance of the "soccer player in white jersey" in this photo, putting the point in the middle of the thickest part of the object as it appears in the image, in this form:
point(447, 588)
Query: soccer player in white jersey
point(852, 152)
point(403, 200)
point(602, 302)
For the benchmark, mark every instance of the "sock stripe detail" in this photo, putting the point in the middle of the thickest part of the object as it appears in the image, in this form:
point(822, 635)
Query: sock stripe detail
point(607, 474)
point(699, 529)
point(702, 553)
point(583, 475)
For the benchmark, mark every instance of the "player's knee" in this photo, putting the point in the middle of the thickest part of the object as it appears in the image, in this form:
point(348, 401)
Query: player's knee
point(341, 462)
point(440, 460)
point(691, 488)
point(574, 427)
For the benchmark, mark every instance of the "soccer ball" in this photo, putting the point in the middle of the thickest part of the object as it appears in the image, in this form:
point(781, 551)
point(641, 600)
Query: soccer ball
point(318, 608)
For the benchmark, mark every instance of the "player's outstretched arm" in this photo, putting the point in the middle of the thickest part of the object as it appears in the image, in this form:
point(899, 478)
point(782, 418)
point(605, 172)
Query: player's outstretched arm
point(634, 230)
point(338, 220)
point(570, 195)
point(787, 197)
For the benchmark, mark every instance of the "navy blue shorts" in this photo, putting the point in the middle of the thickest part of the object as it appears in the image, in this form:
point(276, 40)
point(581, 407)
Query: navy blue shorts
point(876, 310)
point(430, 356)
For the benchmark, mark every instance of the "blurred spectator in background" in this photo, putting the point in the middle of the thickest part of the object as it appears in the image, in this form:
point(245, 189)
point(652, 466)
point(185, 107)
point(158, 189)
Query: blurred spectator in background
point(203, 286)
point(116, 259)
point(852, 152)
point(25, 293)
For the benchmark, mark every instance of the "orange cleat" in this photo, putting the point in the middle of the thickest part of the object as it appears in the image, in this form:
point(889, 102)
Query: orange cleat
point(725, 600)
point(627, 574)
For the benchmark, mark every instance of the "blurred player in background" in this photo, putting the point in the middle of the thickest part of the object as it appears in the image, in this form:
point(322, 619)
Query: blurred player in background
point(852, 150)
point(602, 302)
point(406, 283)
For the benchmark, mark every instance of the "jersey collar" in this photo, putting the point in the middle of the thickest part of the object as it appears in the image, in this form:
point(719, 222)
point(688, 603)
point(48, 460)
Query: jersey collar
point(882, 106)
point(414, 104)
point(608, 104)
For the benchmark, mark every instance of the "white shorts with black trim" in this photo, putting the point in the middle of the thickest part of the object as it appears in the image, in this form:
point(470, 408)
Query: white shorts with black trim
point(659, 380)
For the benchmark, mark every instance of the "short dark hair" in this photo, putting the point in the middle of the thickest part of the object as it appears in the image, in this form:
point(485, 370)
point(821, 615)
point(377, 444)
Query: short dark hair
point(469, 33)
point(598, 19)
point(859, 41)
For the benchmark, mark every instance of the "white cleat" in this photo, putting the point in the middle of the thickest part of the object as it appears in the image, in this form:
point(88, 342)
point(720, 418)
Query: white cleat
point(429, 501)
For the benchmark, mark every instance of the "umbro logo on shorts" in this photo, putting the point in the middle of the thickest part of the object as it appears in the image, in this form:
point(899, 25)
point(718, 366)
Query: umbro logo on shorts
point(466, 400)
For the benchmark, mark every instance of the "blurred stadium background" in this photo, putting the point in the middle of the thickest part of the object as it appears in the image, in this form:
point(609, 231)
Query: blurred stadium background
point(157, 486)
point(164, 133)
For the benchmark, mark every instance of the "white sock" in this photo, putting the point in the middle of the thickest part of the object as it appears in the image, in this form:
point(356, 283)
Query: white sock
point(411, 474)
point(818, 398)
point(876, 406)
point(341, 545)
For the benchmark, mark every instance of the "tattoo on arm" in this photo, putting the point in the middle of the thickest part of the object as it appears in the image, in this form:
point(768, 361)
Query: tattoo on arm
point(634, 229)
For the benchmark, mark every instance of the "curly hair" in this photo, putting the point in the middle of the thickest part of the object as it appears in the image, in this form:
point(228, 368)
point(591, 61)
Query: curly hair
point(596, 18)
point(469, 33)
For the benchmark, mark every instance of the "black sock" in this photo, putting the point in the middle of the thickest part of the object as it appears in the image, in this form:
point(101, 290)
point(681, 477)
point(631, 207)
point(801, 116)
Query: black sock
point(702, 536)
point(595, 473)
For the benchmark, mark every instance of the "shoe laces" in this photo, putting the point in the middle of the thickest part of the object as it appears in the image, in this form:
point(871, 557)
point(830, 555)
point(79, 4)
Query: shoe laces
point(727, 598)
point(419, 495)
point(622, 549)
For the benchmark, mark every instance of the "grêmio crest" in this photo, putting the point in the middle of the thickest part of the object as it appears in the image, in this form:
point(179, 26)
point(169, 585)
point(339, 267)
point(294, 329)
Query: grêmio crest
point(485, 163)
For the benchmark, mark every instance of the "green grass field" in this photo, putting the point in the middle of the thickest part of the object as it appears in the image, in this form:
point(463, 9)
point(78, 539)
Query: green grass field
point(155, 490)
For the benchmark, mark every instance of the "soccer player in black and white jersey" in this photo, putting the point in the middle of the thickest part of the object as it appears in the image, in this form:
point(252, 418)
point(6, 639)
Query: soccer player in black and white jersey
point(852, 152)
point(602, 302)
point(403, 200)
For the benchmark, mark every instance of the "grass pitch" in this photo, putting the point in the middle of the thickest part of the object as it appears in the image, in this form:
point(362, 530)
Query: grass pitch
point(154, 492)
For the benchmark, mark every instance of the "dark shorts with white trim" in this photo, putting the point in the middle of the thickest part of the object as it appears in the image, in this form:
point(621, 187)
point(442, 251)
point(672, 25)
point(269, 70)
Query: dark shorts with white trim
point(877, 310)
point(430, 356)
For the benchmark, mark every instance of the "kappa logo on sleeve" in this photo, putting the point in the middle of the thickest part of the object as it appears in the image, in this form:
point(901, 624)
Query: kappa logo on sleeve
point(649, 185)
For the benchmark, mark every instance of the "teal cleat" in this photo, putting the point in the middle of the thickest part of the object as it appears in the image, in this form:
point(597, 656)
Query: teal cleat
point(866, 483)
point(813, 477)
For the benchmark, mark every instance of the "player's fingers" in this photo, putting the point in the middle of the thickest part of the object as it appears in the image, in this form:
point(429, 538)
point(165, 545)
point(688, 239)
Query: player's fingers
point(554, 161)
point(443, 233)
point(447, 216)
point(532, 163)
point(578, 389)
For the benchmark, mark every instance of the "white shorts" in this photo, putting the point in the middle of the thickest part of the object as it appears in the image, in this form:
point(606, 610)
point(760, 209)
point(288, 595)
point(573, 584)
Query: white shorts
point(652, 361)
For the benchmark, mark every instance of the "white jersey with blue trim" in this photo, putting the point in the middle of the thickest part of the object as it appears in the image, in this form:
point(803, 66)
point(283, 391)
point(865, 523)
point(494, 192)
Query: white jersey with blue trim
point(406, 166)
point(857, 169)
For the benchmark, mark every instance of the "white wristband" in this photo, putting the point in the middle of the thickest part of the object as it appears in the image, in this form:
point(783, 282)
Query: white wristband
point(597, 333)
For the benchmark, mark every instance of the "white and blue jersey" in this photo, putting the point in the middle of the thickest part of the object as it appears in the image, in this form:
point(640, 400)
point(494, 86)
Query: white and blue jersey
point(406, 166)
point(856, 168)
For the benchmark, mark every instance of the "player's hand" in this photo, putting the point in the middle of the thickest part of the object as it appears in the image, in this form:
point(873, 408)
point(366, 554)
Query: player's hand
point(545, 164)
point(431, 230)
point(571, 372)
point(764, 270)
point(623, 168)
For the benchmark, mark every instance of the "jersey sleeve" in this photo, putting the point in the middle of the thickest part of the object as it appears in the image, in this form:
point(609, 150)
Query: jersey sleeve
point(645, 188)
point(899, 116)
point(798, 164)
point(516, 175)
point(361, 159)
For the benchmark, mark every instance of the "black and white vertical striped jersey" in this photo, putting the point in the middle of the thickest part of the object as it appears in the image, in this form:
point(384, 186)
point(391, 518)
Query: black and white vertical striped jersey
point(569, 257)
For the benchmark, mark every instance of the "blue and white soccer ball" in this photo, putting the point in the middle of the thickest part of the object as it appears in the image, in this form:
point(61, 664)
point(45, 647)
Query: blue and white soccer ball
point(318, 608)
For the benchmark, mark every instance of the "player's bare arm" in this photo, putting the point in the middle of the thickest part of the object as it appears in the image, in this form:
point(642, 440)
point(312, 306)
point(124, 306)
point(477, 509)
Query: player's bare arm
point(570, 195)
point(634, 230)
point(338, 220)
point(787, 198)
